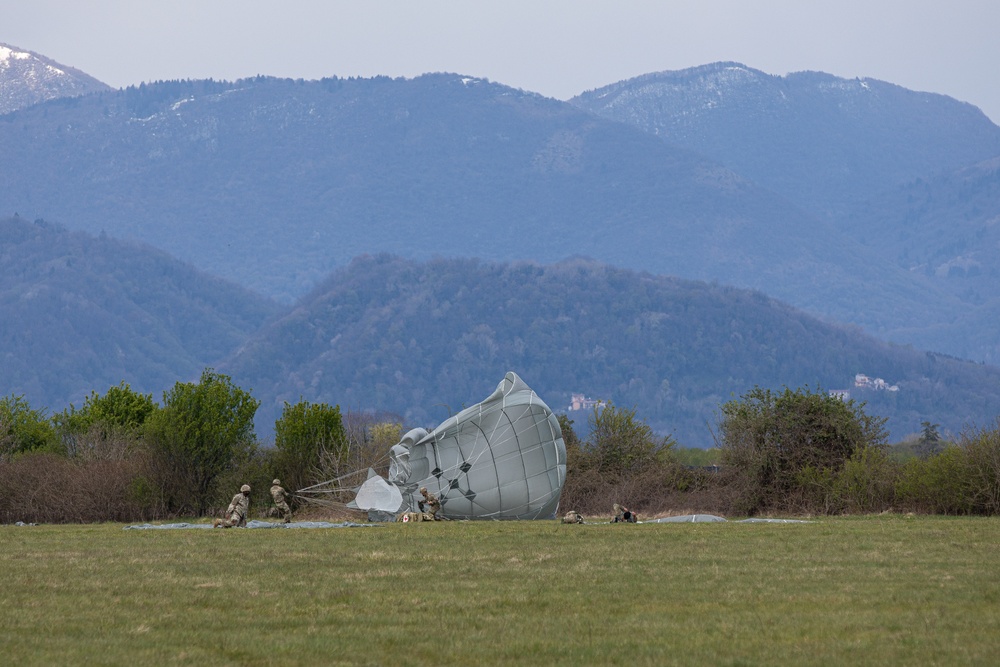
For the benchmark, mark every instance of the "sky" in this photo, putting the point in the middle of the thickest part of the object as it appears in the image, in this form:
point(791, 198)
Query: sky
point(557, 48)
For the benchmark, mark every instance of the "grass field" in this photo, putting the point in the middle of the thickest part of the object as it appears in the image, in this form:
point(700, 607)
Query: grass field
point(858, 591)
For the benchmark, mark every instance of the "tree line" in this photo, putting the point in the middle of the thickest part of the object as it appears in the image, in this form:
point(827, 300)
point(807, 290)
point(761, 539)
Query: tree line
point(123, 457)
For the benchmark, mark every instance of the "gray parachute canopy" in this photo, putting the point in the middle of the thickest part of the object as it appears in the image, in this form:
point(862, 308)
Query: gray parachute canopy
point(503, 458)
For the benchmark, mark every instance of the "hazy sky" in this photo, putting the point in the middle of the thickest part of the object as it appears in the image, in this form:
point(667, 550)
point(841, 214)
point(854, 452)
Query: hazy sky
point(557, 48)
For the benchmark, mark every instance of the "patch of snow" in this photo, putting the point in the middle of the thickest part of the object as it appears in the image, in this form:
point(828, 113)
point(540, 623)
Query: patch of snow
point(8, 54)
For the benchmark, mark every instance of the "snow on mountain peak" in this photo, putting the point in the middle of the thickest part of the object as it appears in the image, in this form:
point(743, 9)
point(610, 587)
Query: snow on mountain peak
point(27, 78)
point(8, 54)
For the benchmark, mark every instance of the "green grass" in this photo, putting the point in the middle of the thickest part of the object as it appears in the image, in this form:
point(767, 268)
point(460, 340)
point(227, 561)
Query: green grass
point(870, 591)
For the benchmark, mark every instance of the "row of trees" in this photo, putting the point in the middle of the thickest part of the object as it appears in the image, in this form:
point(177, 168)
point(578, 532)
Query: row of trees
point(788, 452)
point(123, 457)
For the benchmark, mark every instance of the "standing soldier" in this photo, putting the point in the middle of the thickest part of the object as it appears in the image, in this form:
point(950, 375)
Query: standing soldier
point(281, 500)
point(237, 511)
point(429, 504)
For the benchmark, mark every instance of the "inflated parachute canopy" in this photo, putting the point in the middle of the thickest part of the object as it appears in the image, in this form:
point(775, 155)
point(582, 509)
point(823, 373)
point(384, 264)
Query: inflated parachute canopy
point(503, 458)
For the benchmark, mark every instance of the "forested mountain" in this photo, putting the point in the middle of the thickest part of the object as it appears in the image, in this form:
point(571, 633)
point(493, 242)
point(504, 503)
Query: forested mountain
point(27, 78)
point(946, 227)
point(823, 142)
point(428, 338)
point(81, 314)
point(271, 183)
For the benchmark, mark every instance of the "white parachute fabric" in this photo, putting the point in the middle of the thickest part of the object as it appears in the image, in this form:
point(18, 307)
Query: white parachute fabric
point(503, 458)
point(377, 494)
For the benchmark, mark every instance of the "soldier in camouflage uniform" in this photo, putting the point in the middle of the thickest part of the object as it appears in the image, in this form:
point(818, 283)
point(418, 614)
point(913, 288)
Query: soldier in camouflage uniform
point(236, 513)
point(430, 504)
point(281, 500)
point(572, 517)
point(624, 515)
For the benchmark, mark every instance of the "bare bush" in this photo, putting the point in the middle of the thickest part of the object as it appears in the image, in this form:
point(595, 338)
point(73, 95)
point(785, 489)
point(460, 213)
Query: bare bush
point(45, 488)
point(369, 435)
point(982, 447)
point(101, 442)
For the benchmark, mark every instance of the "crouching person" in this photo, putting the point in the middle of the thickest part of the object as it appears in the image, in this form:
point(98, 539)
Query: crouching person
point(236, 513)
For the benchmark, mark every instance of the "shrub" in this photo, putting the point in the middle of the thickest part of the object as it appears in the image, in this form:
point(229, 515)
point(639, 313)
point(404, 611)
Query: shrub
point(982, 448)
point(23, 429)
point(201, 432)
point(867, 482)
point(790, 446)
point(938, 484)
point(303, 435)
point(105, 425)
point(622, 461)
point(621, 445)
point(41, 487)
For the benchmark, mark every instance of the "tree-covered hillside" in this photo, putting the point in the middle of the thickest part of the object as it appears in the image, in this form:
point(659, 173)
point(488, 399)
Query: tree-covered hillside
point(946, 227)
point(272, 183)
point(83, 313)
point(426, 339)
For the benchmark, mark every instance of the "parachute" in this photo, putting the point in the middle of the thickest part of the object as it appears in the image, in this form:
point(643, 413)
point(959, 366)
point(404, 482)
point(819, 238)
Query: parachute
point(503, 458)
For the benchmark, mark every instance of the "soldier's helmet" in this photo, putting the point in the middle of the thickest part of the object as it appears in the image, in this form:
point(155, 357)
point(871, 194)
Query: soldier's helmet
point(423, 489)
point(276, 482)
point(245, 488)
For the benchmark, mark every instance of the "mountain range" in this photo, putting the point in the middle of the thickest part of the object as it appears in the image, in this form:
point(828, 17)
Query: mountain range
point(271, 184)
point(823, 142)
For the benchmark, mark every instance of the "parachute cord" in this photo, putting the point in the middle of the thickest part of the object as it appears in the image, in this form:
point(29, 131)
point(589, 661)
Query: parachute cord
point(337, 479)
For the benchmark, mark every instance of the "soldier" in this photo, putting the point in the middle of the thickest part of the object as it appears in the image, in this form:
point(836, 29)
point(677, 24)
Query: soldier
point(624, 515)
point(430, 504)
point(572, 517)
point(281, 500)
point(237, 511)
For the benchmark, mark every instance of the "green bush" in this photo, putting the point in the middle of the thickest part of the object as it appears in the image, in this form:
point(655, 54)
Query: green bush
point(867, 482)
point(116, 417)
point(622, 445)
point(201, 432)
point(791, 446)
point(24, 429)
point(306, 434)
point(938, 484)
point(622, 461)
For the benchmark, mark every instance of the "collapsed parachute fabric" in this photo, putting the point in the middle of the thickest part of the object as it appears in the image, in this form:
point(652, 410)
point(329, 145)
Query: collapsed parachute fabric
point(503, 458)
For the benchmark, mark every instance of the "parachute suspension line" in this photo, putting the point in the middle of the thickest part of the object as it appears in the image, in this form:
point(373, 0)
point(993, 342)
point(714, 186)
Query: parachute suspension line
point(309, 489)
point(323, 502)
